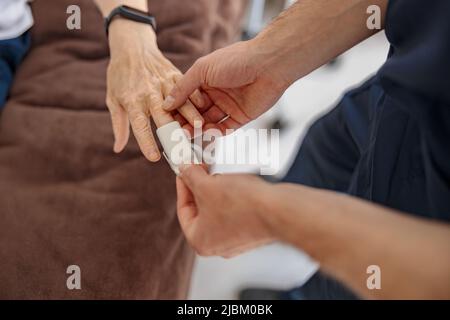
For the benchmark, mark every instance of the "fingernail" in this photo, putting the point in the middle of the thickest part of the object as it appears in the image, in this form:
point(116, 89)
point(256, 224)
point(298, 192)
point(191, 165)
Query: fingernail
point(168, 102)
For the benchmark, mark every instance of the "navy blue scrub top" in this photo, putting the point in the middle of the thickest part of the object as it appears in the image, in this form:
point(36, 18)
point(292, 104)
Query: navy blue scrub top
point(405, 148)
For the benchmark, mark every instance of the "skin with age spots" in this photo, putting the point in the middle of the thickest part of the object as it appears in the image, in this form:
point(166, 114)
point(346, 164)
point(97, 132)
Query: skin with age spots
point(139, 78)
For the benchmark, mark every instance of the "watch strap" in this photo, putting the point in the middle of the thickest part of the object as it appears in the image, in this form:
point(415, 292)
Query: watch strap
point(130, 14)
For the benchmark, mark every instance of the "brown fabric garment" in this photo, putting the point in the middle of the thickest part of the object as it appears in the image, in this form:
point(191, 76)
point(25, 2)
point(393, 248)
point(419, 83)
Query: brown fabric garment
point(65, 197)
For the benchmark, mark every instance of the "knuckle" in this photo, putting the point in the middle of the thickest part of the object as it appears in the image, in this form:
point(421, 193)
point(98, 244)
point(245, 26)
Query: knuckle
point(158, 112)
point(140, 122)
point(155, 99)
point(127, 100)
point(108, 102)
point(175, 88)
point(135, 113)
point(139, 97)
point(150, 99)
point(176, 76)
point(153, 79)
point(156, 87)
point(144, 95)
point(200, 61)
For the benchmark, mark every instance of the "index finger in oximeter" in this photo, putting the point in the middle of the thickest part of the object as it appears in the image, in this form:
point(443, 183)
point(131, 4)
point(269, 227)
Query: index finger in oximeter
point(176, 145)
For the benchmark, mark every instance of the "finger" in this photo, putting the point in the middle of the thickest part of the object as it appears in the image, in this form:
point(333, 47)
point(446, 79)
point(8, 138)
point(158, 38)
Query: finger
point(214, 115)
point(186, 206)
point(211, 126)
point(193, 176)
point(206, 100)
point(185, 87)
point(178, 117)
point(161, 117)
point(198, 100)
point(228, 105)
point(229, 124)
point(196, 97)
point(154, 104)
point(184, 124)
point(140, 123)
point(188, 110)
point(120, 125)
point(191, 114)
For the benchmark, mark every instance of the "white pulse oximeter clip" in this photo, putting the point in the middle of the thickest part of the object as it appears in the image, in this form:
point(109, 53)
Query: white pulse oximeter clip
point(176, 145)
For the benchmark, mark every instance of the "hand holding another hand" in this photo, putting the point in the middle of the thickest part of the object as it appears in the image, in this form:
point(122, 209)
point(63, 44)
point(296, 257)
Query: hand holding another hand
point(236, 82)
point(223, 215)
point(139, 78)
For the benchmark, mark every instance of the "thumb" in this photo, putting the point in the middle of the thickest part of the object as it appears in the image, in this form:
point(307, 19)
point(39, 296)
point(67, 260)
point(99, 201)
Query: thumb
point(184, 88)
point(193, 176)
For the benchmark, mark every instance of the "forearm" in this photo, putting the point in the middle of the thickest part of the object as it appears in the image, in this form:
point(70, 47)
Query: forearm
point(347, 235)
point(311, 33)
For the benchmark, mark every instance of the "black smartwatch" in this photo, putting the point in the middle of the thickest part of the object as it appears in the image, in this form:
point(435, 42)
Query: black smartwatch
point(130, 14)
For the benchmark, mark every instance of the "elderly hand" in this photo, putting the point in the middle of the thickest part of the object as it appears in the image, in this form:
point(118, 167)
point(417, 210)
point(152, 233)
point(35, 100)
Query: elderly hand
point(223, 215)
point(236, 82)
point(139, 78)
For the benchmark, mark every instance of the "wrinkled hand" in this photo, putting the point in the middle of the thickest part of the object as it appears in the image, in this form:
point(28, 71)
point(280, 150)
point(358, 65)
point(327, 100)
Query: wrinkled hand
point(139, 78)
point(222, 215)
point(238, 81)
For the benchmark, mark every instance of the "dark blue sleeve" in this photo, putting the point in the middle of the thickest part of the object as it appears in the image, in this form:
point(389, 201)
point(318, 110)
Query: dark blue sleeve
point(12, 52)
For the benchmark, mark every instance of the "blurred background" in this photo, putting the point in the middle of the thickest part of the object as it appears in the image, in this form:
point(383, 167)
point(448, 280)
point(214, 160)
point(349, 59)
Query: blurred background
point(278, 266)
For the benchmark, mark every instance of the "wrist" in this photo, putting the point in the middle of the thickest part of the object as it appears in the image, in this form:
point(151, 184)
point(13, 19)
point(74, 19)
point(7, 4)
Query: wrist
point(289, 209)
point(268, 202)
point(275, 59)
point(125, 35)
